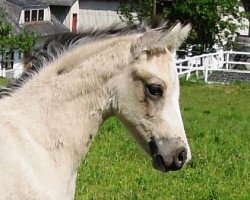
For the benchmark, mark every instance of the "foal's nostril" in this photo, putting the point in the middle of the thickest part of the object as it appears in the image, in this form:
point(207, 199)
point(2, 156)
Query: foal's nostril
point(158, 162)
point(180, 159)
point(152, 147)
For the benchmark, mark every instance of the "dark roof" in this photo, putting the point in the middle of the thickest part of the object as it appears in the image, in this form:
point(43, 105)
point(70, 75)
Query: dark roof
point(59, 2)
point(28, 3)
point(11, 13)
point(45, 28)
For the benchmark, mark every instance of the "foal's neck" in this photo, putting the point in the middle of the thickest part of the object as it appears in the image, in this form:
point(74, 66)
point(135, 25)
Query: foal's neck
point(69, 99)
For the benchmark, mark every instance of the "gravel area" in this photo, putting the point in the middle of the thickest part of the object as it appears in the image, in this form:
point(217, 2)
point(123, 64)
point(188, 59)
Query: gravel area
point(228, 77)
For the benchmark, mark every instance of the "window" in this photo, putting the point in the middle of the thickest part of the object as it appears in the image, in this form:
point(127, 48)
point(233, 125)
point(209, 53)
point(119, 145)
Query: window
point(34, 15)
point(40, 15)
point(7, 60)
point(26, 15)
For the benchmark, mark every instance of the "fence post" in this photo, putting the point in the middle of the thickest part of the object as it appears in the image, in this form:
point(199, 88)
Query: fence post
point(4, 72)
point(227, 60)
point(188, 74)
point(206, 74)
point(196, 66)
point(180, 70)
point(190, 63)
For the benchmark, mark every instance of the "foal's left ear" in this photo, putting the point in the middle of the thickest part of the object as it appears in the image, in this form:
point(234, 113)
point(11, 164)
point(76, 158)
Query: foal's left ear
point(176, 36)
point(161, 38)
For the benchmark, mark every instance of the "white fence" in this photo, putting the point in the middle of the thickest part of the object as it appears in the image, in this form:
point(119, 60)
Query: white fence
point(206, 63)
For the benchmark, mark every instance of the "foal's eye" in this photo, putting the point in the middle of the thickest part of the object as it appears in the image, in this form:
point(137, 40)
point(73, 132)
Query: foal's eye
point(155, 90)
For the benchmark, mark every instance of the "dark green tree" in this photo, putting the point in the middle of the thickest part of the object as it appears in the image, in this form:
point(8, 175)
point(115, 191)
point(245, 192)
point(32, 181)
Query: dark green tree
point(213, 21)
point(246, 4)
point(23, 40)
point(10, 41)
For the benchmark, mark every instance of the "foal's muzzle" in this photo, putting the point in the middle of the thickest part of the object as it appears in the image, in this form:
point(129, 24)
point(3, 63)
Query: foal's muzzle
point(168, 155)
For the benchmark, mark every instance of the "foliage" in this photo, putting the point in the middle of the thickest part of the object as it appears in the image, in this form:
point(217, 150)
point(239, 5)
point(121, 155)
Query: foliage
point(4, 82)
point(217, 125)
point(24, 40)
point(143, 10)
point(214, 21)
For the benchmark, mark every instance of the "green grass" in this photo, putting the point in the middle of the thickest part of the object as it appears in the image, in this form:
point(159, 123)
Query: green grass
point(216, 119)
point(4, 81)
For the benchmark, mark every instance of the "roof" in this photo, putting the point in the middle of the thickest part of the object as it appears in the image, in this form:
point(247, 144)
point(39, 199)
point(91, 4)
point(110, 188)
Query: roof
point(12, 12)
point(59, 2)
point(45, 28)
point(28, 3)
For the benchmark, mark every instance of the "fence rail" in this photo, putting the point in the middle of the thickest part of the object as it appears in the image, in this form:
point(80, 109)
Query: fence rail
point(207, 63)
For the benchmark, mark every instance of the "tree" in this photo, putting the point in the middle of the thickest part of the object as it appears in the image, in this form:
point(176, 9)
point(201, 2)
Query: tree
point(24, 40)
point(246, 4)
point(10, 41)
point(213, 21)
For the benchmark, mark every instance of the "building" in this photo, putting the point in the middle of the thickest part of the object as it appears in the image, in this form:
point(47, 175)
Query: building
point(79, 15)
point(33, 15)
point(49, 17)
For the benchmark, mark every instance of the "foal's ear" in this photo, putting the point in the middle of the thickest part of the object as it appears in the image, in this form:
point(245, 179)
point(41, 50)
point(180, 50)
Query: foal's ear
point(176, 36)
point(161, 38)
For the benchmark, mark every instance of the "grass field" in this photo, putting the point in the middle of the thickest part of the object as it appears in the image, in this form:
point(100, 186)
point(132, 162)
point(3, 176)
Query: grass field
point(217, 121)
point(4, 81)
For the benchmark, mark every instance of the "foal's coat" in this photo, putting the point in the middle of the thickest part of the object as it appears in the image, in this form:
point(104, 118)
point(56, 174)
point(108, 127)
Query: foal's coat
point(48, 124)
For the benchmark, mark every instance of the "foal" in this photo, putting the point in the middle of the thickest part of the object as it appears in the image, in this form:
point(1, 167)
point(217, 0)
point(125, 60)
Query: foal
point(48, 124)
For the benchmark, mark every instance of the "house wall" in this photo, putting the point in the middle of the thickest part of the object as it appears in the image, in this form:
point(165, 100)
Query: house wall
point(69, 18)
point(101, 14)
point(17, 66)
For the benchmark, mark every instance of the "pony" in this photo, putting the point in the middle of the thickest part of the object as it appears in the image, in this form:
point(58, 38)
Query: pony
point(51, 115)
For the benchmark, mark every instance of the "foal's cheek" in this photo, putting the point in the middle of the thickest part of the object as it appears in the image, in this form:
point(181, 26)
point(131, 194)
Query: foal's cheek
point(154, 109)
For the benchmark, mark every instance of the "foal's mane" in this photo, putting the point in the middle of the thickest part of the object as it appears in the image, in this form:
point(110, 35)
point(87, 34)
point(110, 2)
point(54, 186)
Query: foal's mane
point(56, 46)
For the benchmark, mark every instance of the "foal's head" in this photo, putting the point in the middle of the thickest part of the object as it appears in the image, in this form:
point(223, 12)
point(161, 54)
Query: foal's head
point(147, 98)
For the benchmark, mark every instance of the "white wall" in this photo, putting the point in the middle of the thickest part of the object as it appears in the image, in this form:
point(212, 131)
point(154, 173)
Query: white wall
point(97, 14)
point(68, 20)
point(17, 66)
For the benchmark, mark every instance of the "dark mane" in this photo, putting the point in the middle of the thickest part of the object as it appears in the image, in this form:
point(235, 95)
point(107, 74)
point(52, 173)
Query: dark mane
point(56, 45)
